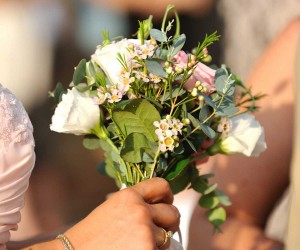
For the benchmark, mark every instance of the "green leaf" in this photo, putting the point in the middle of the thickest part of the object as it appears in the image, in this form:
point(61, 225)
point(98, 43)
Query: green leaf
point(82, 87)
point(209, 201)
point(208, 130)
point(134, 146)
point(208, 100)
point(223, 198)
point(91, 142)
point(224, 84)
point(175, 92)
point(212, 187)
point(158, 35)
point(195, 122)
point(180, 166)
point(178, 44)
point(205, 128)
point(217, 216)
point(155, 68)
point(137, 117)
point(204, 113)
point(227, 107)
point(101, 168)
point(58, 92)
point(180, 183)
point(191, 145)
point(199, 184)
point(79, 72)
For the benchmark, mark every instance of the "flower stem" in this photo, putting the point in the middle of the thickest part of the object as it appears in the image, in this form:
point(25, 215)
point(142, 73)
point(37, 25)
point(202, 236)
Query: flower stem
point(163, 25)
point(154, 163)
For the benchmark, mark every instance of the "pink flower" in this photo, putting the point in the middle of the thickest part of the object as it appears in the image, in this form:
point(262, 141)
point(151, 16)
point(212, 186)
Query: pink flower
point(202, 73)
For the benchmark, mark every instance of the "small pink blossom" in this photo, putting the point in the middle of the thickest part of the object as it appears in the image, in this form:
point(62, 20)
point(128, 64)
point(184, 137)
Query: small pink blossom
point(114, 96)
point(202, 73)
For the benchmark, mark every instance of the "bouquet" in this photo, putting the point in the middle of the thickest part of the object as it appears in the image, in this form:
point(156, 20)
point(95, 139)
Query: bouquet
point(155, 110)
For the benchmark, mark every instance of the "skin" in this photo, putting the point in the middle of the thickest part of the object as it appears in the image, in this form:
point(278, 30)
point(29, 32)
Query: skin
point(255, 184)
point(133, 217)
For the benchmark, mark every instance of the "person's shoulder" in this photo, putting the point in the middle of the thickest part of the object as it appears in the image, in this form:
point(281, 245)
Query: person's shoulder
point(292, 28)
point(15, 124)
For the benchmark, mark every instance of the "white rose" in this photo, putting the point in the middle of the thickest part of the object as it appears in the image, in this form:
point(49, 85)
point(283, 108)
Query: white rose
point(75, 114)
point(106, 58)
point(246, 136)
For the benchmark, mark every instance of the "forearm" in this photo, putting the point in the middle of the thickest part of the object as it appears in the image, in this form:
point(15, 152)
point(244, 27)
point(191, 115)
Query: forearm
point(239, 235)
point(50, 245)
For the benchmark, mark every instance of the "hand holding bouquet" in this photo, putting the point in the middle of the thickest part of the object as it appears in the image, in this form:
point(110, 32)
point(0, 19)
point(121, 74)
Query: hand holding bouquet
point(152, 108)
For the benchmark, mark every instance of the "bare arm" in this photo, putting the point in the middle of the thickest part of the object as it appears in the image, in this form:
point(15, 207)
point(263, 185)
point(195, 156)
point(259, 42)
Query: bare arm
point(132, 217)
point(255, 184)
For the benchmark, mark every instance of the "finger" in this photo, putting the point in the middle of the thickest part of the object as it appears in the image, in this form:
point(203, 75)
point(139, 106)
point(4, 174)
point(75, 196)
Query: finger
point(162, 238)
point(155, 190)
point(166, 216)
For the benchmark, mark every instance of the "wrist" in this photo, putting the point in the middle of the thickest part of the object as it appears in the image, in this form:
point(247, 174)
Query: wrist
point(65, 242)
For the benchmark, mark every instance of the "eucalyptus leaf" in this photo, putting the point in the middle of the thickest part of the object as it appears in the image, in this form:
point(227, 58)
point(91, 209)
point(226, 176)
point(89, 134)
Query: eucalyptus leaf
point(208, 130)
point(223, 198)
point(199, 184)
point(201, 126)
point(79, 72)
point(191, 145)
point(211, 188)
point(82, 87)
point(178, 44)
point(195, 122)
point(180, 183)
point(155, 68)
point(224, 84)
point(58, 92)
point(91, 142)
point(206, 176)
point(175, 92)
point(227, 111)
point(217, 216)
point(101, 168)
point(158, 35)
point(204, 113)
point(137, 117)
point(208, 101)
point(209, 201)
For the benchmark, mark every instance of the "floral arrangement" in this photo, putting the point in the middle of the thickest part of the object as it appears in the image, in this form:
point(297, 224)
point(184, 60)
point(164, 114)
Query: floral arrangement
point(155, 110)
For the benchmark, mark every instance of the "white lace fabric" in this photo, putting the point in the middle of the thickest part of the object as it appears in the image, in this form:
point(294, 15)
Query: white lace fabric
point(17, 159)
point(15, 123)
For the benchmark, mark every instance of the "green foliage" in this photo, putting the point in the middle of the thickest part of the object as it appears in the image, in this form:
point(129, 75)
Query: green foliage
point(152, 88)
point(158, 35)
point(154, 67)
point(216, 216)
point(177, 45)
point(177, 169)
point(135, 145)
point(79, 73)
point(133, 119)
point(57, 92)
point(208, 40)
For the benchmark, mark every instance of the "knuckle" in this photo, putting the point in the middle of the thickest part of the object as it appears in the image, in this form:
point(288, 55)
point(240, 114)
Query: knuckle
point(142, 212)
point(165, 185)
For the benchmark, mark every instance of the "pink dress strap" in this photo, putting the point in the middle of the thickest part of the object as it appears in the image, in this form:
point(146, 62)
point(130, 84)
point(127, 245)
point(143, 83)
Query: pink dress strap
point(17, 159)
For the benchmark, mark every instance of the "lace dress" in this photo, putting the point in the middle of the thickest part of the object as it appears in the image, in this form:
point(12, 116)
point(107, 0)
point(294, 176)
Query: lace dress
point(17, 159)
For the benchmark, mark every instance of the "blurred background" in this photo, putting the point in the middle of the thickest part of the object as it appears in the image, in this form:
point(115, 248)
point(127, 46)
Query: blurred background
point(41, 41)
